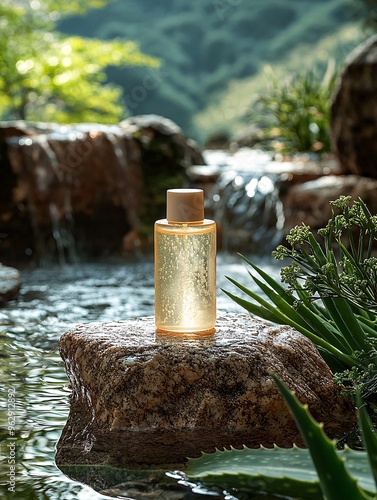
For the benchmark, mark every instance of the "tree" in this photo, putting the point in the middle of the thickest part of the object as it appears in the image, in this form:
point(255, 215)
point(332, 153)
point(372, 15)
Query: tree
point(46, 76)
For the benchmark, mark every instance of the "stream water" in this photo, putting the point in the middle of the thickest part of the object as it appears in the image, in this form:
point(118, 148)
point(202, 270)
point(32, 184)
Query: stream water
point(51, 301)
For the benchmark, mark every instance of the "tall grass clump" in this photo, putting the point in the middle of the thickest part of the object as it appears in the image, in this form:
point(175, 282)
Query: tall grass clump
point(294, 114)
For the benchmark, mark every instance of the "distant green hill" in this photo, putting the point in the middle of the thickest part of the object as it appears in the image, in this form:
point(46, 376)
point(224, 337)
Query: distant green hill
point(214, 51)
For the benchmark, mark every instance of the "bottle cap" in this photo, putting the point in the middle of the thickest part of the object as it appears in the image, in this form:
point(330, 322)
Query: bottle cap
point(185, 205)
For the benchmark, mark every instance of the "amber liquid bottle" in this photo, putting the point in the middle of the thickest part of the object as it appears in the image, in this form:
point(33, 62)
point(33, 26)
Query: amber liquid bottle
point(185, 265)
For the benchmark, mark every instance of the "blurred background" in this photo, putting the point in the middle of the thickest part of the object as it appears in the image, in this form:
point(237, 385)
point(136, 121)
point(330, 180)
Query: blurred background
point(201, 63)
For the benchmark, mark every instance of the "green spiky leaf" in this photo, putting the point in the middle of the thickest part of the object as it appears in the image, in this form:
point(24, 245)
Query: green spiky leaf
point(368, 434)
point(336, 482)
point(315, 472)
point(288, 472)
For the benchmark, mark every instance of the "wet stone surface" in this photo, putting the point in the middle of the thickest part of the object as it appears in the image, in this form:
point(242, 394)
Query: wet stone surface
point(141, 399)
point(10, 283)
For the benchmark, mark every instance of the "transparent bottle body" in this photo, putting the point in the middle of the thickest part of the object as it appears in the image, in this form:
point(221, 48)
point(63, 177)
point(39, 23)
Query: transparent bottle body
point(185, 276)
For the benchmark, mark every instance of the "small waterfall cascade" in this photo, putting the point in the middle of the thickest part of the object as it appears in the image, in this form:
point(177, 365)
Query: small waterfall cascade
point(78, 184)
point(89, 190)
point(245, 200)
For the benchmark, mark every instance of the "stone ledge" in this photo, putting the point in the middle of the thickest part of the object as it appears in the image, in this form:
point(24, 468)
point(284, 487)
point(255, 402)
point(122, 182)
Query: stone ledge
point(142, 399)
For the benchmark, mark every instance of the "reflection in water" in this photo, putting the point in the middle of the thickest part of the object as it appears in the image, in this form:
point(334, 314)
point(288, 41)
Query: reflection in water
point(52, 301)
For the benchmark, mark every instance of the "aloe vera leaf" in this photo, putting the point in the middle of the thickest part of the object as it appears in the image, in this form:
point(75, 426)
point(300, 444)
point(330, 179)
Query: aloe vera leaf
point(288, 472)
point(335, 480)
point(368, 434)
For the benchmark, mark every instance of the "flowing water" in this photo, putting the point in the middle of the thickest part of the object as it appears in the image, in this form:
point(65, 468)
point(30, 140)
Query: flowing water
point(51, 301)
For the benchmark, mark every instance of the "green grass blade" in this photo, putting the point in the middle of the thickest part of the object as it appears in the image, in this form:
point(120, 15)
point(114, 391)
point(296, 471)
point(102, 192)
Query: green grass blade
point(368, 326)
point(283, 319)
point(317, 250)
point(270, 281)
point(308, 317)
point(336, 365)
point(323, 328)
point(287, 315)
point(282, 305)
point(254, 309)
point(281, 309)
point(368, 434)
point(258, 298)
point(335, 480)
point(346, 322)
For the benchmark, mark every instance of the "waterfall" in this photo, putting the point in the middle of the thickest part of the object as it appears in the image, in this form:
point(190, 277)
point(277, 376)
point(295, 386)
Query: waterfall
point(79, 188)
point(90, 190)
point(245, 200)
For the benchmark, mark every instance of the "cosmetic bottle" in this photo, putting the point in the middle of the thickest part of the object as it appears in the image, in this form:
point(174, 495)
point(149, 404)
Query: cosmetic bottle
point(185, 265)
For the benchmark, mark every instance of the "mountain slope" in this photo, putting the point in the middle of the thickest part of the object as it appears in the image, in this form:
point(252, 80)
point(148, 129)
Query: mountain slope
point(207, 46)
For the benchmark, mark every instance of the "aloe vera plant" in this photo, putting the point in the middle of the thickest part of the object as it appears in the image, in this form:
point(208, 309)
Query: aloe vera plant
point(313, 473)
point(331, 292)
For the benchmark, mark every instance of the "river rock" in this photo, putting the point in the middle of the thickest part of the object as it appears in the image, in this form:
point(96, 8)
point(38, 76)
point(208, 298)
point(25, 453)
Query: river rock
point(354, 112)
point(309, 202)
point(10, 283)
point(144, 399)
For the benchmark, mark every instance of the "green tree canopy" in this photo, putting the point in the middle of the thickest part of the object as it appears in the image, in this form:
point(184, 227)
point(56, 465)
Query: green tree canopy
point(46, 76)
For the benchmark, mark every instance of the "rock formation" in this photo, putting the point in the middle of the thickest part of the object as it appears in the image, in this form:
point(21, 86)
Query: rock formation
point(309, 202)
point(82, 188)
point(141, 399)
point(354, 112)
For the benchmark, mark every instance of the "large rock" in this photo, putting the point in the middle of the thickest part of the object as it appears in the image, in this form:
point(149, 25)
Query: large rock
point(354, 112)
point(141, 399)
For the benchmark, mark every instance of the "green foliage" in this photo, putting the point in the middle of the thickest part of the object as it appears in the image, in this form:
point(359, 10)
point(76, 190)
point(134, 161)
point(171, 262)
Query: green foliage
point(47, 77)
point(351, 272)
point(330, 299)
point(295, 113)
point(314, 473)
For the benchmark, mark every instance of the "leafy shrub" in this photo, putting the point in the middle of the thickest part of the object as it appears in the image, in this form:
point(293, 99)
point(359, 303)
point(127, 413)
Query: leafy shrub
point(331, 299)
